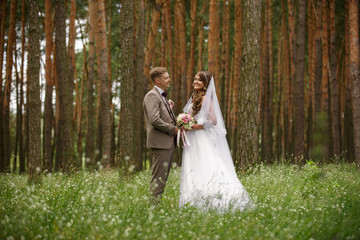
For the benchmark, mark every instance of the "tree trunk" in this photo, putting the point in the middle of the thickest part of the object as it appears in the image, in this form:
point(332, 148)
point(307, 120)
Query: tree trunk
point(292, 49)
point(170, 44)
point(334, 99)
point(325, 59)
point(180, 18)
point(2, 43)
point(127, 140)
point(200, 45)
point(214, 43)
point(225, 57)
point(34, 104)
point(311, 71)
point(299, 85)
point(104, 93)
point(48, 114)
point(237, 64)
point(71, 46)
point(9, 65)
point(247, 134)
point(266, 88)
point(354, 73)
point(90, 128)
point(191, 66)
point(139, 91)
point(150, 46)
point(21, 143)
point(65, 148)
point(18, 113)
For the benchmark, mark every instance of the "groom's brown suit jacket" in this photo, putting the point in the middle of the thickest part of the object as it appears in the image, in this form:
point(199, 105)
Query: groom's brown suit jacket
point(160, 121)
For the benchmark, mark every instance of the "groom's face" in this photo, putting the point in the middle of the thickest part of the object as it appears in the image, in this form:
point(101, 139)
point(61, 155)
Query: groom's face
point(163, 81)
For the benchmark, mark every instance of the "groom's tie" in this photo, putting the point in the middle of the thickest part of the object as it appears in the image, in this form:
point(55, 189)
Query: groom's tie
point(164, 94)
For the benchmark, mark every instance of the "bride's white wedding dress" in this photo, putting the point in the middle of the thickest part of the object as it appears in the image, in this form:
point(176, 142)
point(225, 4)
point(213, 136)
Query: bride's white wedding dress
point(208, 177)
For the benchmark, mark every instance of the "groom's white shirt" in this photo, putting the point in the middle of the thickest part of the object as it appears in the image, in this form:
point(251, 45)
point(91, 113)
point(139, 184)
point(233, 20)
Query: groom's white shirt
point(161, 92)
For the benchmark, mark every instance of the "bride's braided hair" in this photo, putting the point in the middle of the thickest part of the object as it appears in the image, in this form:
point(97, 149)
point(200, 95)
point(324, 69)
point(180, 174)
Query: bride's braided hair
point(197, 96)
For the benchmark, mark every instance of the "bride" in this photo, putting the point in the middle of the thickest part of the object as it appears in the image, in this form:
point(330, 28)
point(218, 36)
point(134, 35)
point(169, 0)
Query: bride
point(208, 177)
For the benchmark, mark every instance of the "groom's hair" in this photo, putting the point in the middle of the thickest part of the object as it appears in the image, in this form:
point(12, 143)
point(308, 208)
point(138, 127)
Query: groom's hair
point(156, 72)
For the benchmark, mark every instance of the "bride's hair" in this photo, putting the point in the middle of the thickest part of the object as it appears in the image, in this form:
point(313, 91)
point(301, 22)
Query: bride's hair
point(197, 96)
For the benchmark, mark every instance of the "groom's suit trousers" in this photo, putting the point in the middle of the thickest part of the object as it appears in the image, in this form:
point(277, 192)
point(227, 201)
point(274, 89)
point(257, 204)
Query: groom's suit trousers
point(161, 164)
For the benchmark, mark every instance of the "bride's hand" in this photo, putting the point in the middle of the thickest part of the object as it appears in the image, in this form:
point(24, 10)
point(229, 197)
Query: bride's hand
point(198, 127)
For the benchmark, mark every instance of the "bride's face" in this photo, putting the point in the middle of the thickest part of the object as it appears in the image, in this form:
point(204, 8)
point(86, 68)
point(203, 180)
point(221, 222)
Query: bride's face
point(198, 84)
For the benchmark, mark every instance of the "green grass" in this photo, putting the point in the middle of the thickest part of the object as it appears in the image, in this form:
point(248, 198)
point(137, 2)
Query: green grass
point(291, 203)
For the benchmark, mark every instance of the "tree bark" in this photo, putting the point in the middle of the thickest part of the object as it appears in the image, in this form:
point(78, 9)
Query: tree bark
point(104, 93)
point(214, 43)
point(237, 64)
point(247, 132)
point(170, 44)
point(225, 57)
point(34, 104)
point(150, 46)
point(193, 28)
point(71, 46)
point(180, 18)
point(21, 121)
point(334, 99)
point(139, 90)
point(354, 73)
point(2, 43)
point(127, 140)
point(48, 112)
point(311, 72)
point(65, 149)
point(299, 85)
point(7, 91)
point(90, 128)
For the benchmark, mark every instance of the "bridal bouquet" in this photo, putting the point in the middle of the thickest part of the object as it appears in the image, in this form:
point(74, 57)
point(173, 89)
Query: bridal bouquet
point(184, 122)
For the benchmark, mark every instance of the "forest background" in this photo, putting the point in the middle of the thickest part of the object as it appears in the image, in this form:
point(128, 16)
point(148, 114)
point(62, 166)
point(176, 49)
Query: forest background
point(74, 74)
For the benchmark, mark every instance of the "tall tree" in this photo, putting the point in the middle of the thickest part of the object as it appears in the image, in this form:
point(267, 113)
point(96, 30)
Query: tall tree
point(247, 132)
point(140, 89)
point(9, 65)
point(71, 45)
point(237, 65)
point(348, 115)
point(127, 143)
point(21, 140)
point(214, 42)
point(334, 98)
point(299, 84)
point(104, 93)
point(65, 149)
point(34, 104)
point(90, 128)
point(150, 45)
point(180, 19)
point(170, 42)
point(191, 64)
point(292, 50)
point(225, 56)
point(354, 72)
point(48, 111)
point(2, 35)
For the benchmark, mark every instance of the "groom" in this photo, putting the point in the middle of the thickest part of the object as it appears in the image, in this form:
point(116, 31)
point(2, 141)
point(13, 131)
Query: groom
point(161, 131)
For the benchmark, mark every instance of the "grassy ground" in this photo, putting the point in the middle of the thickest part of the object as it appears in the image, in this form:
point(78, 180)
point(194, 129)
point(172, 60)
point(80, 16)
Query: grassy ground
point(291, 203)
